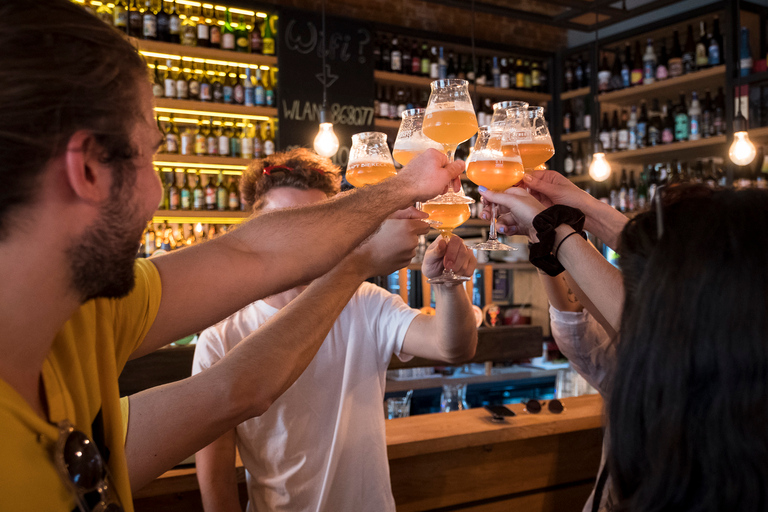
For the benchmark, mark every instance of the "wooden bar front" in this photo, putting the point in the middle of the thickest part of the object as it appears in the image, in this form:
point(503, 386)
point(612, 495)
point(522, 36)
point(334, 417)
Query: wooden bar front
point(464, 461)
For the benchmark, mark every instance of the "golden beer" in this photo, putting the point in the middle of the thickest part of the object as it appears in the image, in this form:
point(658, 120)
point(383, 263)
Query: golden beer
point(495, 175)
point(360, 174)
point(404, 156)
point(450, 215)
point(535, 154)
point(449, 126)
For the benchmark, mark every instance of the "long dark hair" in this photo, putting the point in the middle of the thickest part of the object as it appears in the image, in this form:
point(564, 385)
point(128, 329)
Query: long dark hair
point(688, 410)
point(61, 70)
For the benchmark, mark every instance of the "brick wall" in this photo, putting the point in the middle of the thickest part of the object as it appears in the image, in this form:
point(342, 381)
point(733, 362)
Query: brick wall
point(445, 20)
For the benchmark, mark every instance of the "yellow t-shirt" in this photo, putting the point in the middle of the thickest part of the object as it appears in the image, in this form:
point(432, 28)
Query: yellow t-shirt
point(80, 381)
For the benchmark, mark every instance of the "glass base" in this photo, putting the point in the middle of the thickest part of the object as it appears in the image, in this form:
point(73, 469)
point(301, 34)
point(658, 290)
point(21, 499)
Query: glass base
point(447, 277)
point(493, 245)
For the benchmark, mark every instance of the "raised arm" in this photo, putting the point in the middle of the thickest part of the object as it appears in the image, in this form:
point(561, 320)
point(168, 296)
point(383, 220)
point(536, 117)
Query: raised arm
point(217, 475)
point(170, 422)
point(279, 250)
point(450, 335)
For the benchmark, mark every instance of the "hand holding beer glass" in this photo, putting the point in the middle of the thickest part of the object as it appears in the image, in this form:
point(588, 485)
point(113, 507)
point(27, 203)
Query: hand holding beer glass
point(369, 159)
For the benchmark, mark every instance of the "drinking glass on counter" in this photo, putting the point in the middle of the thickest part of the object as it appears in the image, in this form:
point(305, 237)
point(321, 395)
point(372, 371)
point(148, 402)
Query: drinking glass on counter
point(454, 398)
point(411, 141)
point(369, 159)
point(497, 170)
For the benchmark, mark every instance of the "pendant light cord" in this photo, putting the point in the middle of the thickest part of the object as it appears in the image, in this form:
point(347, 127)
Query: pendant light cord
point(474, 57)
point(737, 22)
point(325, 78)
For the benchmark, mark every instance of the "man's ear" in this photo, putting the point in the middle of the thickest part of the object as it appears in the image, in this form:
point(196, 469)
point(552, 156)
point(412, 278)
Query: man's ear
point(89, 179)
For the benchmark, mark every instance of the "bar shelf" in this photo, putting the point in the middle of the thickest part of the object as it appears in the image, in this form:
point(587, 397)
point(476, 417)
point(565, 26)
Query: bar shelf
point(209, 109)
point(203, 216)
point(575, 93)
point(176, 51)
point(202, 162)
point(711, 146)
point(582, 135)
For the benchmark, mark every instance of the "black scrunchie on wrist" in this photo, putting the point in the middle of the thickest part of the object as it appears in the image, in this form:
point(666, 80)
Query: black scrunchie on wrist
point(545, 223)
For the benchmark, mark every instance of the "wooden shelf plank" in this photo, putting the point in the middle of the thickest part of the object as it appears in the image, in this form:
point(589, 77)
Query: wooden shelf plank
point(711, 146)
point(575, 93)
point(386, 124)
point(494, 92)
point(201, 162)
point(667, 89)
point(575, 136)
point(212, 54)
point(209, 109)
point(204, 216)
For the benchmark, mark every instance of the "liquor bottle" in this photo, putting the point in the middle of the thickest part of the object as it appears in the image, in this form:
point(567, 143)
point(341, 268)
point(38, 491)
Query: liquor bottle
point(632, 192)
point(148, 21)
point(689, 52)
point(217, 86)
point(171, 138)
point(222, 194)
point(642, 189)
point(603, 75)
point(200, 138)
point(407, 57)
point(158, 83)
point(203, 29)
point(416, 57)
point(675, 64)
point(569, 84)
point(227, 87)
point(120, 16)
point(206, 88)
point(105, 14)
point(395, 57)
point(234, 140)
point(632, 131)
point(623, 188)
point(745, 55)
point(622, 137)
point(614, 131)
point(535, 77)
point(618, 75)
point(504, 73)
point(214, 30)
point(568, 162)
point(238, 91)
point(223, 138)
point(681, 120)
point(269, 141)
point(668, 133)
point(605, 133)
point(249, 96)
point(626, 67)
point(426, 61)
point(383, 111)
point(578, 73)
point(246, 141)
point(496, 72)
point(642, 127)
point(707, 115)
point(233, 195)
point(259, 92)
point(269, 90)
point(386, 55)
point(567, 117)
point(662, 70)
point(194, 85)
point(434, 64)
point(258, 142)
point(269, 37)
point(613, 194)
point(702, 59)
point(187, 145)
point(715, 43)
point(655, 126)
point(185, 193)
point(174, 194)
point(210, 194)
point(257, 43)
point(718, 122)
point(198, 193)
point(182, 83)
point(135, 19)
point(242, 44)
point(649, 63)
point(694, 118)
point(228, 34)
point(211, 139)
point(163, 22)
point(527, 80)
point(169, 82)
point(188, 30)
point(442, 65)
point(174, 25)
point(637, 66)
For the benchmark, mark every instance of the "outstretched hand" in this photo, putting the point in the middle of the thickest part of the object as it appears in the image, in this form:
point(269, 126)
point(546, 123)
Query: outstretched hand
point(430, 174)
point(519, 208)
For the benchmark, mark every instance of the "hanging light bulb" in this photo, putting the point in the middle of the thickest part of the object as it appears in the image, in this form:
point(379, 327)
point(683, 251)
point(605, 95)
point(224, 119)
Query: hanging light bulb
point(326, 142)
point(599, 169)
point(742, 151)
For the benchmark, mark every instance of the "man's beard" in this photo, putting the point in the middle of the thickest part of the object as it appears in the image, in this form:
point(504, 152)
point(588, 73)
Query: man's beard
point(102, 260)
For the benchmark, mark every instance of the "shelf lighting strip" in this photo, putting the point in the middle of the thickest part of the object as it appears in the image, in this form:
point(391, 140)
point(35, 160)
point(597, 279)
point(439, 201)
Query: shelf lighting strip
point(197, 60)
point(229, 169)
point(233, 10)
point(187, 120)
point(192, 219)
point(205, 113)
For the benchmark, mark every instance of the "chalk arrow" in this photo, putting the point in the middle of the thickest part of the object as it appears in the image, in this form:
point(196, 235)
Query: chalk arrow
point(329, 79)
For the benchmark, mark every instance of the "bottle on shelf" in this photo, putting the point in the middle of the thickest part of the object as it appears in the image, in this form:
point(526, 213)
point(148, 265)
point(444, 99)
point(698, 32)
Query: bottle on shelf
point(578, 73)
point(222, 194)
point(246, 141)
point(637, 66)
point(258, 142)
point(622, 137)
point(442, 65)
point(631, 192)
point(257, 42)
point(171, 138)
point(621, 72)
point(689, 52)
point(214, 30)
point(269, 91)
point(568, 162)
point(135, 19)
point(745, 55)
point(234, 140)
point(203, 29)
point(169, 81)
point(681, 120)
point(395, 57)
point(655, 125)
point(182, 83)
point(269, 37)
point(200, 138)
point(188, 29)
point(217, 86)
point(416, 57)
point(233, 195)
point(120, 16)
point(614, 131)
point(242, 43)
point(426, 60)
point(193, 86)
point(715, 44)
point(496, 71)
point(269, 141)
point(227, 87)
point(223, 138)
point(537, 76)
point(149, 21)
point(668, 131)
point(174, 196)
point(407, 57)
point(626, 67)
point(163, 24)
point(198, 193)
point(567, 117)
point(676, 57)
point(694, 118)
point(632, 131)
point(662, 69)
point(206, 88)
point(185, 193)
point(603, 75)
point(623, 207)
point(605, 133)
point(504, 73)
point(249, 97)
point(259, 92)
point(569, 83)
point(642, 127)
point(174, 24)
point(707, 115)
point(210, 194)
point(211, 139)
point(578, 161)
point(718, 122)
point(702, 59)
point(649, 63)
point(158, 82)
point(228, 33)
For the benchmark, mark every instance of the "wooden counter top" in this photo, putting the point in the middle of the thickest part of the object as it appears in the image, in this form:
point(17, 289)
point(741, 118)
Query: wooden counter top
point(430, 433)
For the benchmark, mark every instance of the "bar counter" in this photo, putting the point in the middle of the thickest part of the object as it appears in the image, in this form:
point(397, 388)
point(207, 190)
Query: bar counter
point(464, 461)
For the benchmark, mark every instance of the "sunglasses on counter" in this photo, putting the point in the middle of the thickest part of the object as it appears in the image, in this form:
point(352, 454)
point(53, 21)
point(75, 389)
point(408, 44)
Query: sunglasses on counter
point(554, 406)
point(82, 468)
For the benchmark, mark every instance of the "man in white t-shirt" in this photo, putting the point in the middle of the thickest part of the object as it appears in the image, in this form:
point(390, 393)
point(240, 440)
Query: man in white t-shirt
point(321, 446)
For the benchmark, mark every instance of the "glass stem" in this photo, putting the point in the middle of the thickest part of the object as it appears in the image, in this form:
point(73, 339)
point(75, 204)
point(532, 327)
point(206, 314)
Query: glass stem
point(492, 234)
point(449, 152)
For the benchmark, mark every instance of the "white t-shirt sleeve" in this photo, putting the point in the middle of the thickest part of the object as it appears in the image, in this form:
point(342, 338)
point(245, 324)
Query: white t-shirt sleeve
point(388, 318)
point(209, 349)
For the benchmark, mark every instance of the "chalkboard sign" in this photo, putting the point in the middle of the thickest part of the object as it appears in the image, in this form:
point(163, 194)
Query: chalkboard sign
point(349, 72)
